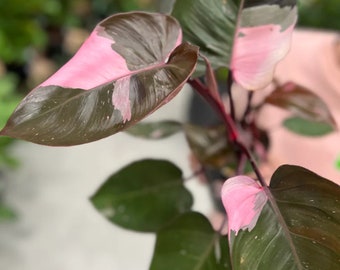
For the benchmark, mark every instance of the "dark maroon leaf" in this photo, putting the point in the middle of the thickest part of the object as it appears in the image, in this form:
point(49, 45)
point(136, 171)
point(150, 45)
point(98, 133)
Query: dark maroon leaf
point(301, 102)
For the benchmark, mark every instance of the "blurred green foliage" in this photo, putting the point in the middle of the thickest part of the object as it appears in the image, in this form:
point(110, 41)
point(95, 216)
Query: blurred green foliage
point(9, 99)
point(23, 23)
point(322, 14)
point(6, 213)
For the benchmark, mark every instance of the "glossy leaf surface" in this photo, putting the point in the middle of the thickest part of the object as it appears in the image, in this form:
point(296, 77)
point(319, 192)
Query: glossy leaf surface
point(190, 243)
point(144, 196)
point(310, 206)
point(125, 70)
point(247, 36)
point(298, 228)
point(155, 130)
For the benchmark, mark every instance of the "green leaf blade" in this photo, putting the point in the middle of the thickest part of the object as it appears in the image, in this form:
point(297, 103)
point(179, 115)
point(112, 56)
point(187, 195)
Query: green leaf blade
point(263, 248)
point(190, 243)
point(305, 127)
point(143, 196)
point(310, 206)
point(214, 42)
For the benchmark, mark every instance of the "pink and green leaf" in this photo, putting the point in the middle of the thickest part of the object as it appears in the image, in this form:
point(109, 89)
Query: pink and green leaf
point(129, 66)
point(296, 228)
point(247, 36)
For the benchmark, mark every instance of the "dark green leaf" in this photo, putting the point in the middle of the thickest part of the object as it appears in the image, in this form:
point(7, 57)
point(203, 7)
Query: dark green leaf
point(143, 196)
point(197, 18)
point(301, 230)
point(307, 127)
point(190, 243)
point(155, 130)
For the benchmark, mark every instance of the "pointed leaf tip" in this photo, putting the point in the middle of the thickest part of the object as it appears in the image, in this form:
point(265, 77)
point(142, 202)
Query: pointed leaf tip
point(243, 199)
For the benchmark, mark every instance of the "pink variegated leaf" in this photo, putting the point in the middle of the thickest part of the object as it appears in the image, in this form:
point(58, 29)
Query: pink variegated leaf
point(247, 36)
point(131, 64)
point(292, 224)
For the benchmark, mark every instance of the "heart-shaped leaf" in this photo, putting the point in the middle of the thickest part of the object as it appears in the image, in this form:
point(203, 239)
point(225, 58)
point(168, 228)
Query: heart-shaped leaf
point(143, 196)
point(297, 228)
point(155, 130)
point(125, 70)
point(190, 243)
point(247, 36)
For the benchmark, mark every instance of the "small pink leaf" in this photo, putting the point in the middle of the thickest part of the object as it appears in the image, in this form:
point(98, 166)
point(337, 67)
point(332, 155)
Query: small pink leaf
point(243, 199)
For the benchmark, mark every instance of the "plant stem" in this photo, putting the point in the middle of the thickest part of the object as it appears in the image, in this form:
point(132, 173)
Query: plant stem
point(252, 161)
point(248, 108)
point(232, 132)
point(218, 106)
point(230, 95)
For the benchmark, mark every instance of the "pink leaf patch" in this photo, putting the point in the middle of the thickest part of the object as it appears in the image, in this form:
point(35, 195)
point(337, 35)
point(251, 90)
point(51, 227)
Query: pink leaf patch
point(120, 98)
point(243, 199)
point(94, 64)
point(256, 52)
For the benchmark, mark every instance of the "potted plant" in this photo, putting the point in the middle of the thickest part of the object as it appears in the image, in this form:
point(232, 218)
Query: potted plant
point(131, 65)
